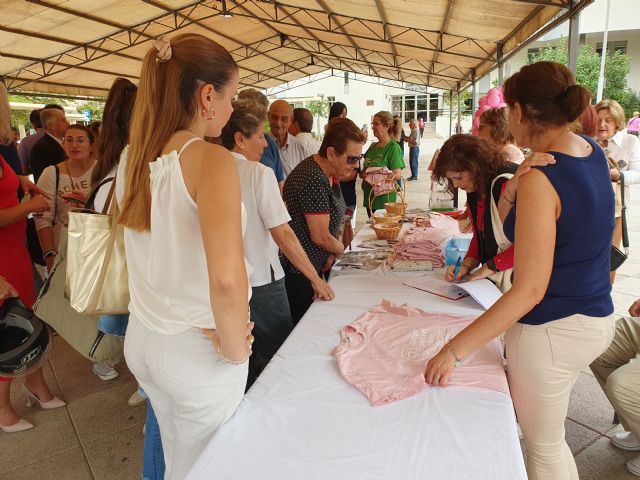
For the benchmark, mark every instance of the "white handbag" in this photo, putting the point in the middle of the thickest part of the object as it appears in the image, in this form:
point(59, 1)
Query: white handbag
point(97, 279)
point(502, 279)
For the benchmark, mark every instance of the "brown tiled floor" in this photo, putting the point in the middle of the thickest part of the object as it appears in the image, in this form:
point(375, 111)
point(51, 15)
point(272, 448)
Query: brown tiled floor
point(98, 436)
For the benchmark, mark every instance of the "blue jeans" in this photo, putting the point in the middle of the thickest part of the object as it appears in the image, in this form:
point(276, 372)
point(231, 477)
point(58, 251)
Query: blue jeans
point(413, 160)
point(271, 314)
point(153, 455)
point(114, 324)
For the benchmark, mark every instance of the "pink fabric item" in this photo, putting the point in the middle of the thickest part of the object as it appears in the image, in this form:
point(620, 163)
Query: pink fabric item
point(513, 154)
point(427, 241)
point(377, 178)
point(385, 353)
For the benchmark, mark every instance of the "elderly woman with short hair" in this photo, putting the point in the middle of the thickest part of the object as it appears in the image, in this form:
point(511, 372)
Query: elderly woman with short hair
point(623, 152)
point(317, 208)
point(267, 230)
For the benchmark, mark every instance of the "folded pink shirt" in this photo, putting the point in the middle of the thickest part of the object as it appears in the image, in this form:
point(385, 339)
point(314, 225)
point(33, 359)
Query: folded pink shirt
point(385, 353)
point(426, 242)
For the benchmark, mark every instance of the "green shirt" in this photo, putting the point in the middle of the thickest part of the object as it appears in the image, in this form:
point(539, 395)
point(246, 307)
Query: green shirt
point(389, 156)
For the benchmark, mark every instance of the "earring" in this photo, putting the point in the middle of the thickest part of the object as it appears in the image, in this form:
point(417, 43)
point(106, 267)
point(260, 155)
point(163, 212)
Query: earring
point(208, 115)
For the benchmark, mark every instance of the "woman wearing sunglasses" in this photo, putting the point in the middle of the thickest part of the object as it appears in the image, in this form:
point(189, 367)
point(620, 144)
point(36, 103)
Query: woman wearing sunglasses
point(317, 208)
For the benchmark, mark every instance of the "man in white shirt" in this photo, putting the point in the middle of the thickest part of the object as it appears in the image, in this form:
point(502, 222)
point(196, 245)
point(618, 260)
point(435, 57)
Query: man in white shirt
point(301, 129)
point(292, 151)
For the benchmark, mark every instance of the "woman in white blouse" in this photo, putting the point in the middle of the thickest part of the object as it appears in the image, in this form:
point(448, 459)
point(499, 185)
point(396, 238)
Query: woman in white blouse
point(623, 149)
point(267, 230)
point(67, 184)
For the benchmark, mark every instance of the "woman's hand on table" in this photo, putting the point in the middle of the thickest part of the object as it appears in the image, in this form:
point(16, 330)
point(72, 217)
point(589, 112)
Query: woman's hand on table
point(483, 272)
point(464, 271)
point(214, 338)
point(322, 290)
point(439, 368)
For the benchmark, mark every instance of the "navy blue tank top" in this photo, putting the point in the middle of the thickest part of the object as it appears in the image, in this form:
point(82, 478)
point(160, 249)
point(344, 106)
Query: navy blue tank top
point(579, 281)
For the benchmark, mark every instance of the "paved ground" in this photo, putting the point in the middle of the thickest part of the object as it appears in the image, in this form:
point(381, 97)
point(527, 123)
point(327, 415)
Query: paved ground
point(97, 436)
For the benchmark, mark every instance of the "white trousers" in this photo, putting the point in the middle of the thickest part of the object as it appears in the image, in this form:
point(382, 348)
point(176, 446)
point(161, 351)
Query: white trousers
point(193, 391)
point(543, 363)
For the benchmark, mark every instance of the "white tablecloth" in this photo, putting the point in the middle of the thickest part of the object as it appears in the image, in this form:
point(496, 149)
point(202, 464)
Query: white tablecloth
point(301, 420)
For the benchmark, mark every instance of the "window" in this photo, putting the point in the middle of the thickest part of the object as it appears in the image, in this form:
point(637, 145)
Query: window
point(532, 53)
point(409, 103)
point(422, 102)
point(396, 105)
point(619, 46)
point(413, 107)
point(331, 101)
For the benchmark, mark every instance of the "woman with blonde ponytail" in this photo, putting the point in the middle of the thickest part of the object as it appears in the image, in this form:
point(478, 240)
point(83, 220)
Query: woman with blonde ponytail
point(188, 338)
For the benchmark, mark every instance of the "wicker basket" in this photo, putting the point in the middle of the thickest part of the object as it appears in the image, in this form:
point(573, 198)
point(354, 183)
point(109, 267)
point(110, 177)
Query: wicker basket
point(397, 208)
point(385, 231)
point(386, 218)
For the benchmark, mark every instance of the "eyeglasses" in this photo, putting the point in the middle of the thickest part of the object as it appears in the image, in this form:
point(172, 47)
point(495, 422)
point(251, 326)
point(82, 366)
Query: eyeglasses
point(79, 140)
point(351, 159)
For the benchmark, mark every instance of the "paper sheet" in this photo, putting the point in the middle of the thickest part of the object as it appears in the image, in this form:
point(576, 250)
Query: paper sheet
point(483, 291)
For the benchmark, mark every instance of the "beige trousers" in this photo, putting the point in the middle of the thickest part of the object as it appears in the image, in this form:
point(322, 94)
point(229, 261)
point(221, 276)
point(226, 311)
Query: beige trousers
point(618, 371)
point(543, 363)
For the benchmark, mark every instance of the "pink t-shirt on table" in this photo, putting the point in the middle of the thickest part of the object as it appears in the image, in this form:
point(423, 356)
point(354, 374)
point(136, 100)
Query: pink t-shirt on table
point(385, 353)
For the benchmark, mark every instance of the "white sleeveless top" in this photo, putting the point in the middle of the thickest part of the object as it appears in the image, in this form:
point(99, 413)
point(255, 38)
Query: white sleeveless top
point(168, 276)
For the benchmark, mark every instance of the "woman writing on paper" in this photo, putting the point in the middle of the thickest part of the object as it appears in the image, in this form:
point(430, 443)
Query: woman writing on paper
point(479, 168)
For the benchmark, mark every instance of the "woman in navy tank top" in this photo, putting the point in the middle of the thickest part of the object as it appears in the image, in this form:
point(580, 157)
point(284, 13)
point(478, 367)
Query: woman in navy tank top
point(558, 316)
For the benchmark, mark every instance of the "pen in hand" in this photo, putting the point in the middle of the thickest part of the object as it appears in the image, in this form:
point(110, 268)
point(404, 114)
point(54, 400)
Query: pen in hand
point(456, 270)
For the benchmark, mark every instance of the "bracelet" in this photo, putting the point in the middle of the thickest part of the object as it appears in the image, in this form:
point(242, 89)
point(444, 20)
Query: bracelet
point(49, 253)
point(233, 362)
point(456, 361)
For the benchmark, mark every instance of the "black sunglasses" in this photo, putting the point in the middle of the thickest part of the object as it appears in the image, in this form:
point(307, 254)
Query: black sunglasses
point(351, 159)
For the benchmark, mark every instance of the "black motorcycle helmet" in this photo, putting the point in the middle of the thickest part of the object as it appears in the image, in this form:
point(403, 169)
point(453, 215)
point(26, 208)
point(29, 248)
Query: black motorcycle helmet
point(24, 339)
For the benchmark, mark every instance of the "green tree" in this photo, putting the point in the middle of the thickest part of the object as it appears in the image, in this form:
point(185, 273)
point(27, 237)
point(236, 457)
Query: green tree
point(95, 108)
point(588, 71)
point(320, 109)
point(21, 117)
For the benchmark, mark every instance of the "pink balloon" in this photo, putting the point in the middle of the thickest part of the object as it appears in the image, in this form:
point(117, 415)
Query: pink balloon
point(483, 101)
point(493, 100)
point(495, 91)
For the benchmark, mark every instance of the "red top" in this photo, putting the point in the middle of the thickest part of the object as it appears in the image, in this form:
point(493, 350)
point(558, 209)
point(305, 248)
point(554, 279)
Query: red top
point(15, 262)
point(503, 260)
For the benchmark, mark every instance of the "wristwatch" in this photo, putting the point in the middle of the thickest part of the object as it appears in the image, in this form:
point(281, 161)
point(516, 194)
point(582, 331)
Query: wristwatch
point(49, 253)
point(456, 361)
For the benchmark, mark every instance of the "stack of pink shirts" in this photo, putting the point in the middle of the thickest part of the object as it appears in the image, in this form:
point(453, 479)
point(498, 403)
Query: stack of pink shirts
point(426, 240)
point(385, 353)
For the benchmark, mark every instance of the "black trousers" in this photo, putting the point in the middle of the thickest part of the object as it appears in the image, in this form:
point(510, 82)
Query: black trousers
point(300, 294)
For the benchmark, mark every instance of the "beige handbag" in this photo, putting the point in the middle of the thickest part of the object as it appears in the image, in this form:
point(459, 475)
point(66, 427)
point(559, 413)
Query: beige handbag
point(501, 279)
point(97, 277)
point(79, 330)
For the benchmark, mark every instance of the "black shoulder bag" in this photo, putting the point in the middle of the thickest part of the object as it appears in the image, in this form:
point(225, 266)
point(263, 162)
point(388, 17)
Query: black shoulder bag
point(33, 243)
point(618, 257)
